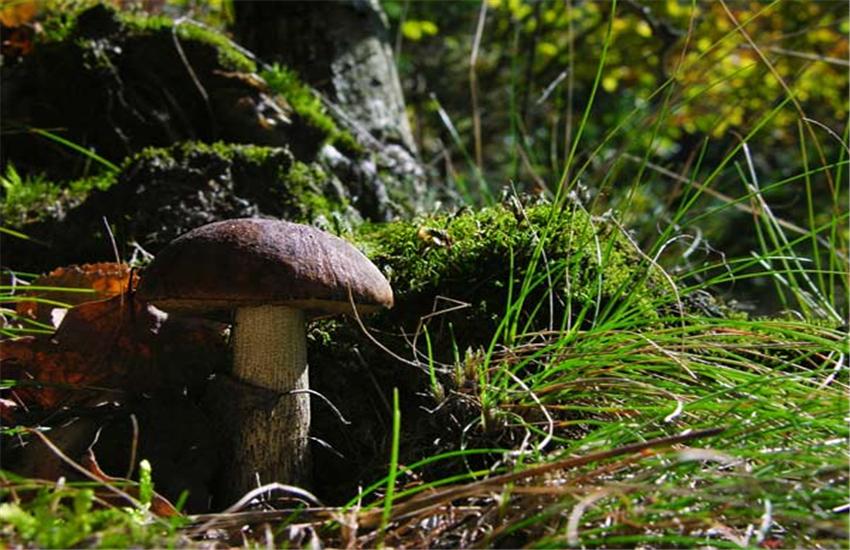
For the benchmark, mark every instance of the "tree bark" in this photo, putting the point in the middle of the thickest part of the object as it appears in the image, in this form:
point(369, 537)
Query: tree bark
point(339, 47)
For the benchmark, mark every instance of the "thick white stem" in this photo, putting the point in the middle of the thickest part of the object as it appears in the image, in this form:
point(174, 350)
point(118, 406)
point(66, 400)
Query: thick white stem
point(270, 351)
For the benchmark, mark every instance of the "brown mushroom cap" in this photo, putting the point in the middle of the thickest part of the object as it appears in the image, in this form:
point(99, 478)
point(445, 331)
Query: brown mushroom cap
point(252, 262)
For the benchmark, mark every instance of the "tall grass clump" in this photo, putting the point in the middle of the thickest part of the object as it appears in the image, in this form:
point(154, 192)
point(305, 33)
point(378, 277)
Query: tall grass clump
point(748, 354)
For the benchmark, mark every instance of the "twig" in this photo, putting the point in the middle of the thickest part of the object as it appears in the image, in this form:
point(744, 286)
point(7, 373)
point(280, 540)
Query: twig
point(473, 83)
point(251, 495)
point(134, 445)
point(327, 401)
point(200, 87)
point(374, 340)
point(76, 466)
point(549, 420)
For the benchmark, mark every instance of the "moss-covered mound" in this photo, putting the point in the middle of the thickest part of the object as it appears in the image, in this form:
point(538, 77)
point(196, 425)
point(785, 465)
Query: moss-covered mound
point(162, 193)
point(116, 84)
point(101, 86)
point(444, 252)
point(456, 278)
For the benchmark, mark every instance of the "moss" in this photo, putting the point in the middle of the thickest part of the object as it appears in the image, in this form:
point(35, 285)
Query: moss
point(269, 176)
point(253, 154)
point(228, 55)
point(308, 106)
point(28, 199)
point(304, 182)
point(441, 254)
point(98, 54)
point(94, 20)
point(160, 193)
point(98, 20)
point(455, 276)
point(472, 267)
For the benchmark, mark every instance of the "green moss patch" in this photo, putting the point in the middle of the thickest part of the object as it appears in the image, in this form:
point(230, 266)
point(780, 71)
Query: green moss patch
point(102, 20)
point(96, 20)
point(582, 259)
point(498, 277)
point(228, 54)
point(307, 105)
point(199, 183)
point(161, 193)
point(113, 83)
point(28, 199)
point(292, 186)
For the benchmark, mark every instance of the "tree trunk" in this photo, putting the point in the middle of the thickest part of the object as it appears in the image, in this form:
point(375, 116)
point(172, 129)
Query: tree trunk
point(338, 47)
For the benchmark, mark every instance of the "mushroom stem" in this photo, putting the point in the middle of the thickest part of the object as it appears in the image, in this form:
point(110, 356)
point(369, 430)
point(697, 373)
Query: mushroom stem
point(270, 351)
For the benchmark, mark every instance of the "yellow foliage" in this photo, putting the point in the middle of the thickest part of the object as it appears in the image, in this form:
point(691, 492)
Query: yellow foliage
point(547, 49)
point(619, 24)
point(643, 29)
point(413, 29)
point(519, 9)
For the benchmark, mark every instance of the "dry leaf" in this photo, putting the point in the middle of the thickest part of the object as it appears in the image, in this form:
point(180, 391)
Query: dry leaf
point(18, 41)
point(106, 279)
point(105, 349)
point(99, 346)
point(15, 14)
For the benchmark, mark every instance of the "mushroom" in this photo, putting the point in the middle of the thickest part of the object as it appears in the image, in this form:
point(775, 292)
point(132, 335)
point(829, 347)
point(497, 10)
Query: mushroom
point(275, 275)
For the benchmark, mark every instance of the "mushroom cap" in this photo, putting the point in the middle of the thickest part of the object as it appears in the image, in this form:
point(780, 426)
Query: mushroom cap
point(254, 262)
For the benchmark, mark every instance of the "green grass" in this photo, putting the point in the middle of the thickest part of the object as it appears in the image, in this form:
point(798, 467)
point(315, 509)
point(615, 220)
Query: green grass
point(75, 515)
point(30, 199)
point(14, 291)
point(594, 396)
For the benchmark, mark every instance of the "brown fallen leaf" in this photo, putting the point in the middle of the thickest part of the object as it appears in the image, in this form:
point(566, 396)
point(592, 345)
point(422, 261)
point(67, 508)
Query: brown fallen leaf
point(17, 41)
point(105, 345)
point(105, 279)
point(18, 13)
point(104, 350)
point(128, 354)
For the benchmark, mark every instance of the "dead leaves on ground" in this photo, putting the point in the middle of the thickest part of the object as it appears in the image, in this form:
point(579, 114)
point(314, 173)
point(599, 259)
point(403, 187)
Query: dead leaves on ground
point(18, 29)
point(112, 358)
point(103, 349)
point(99, 348)
point(103, 280)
